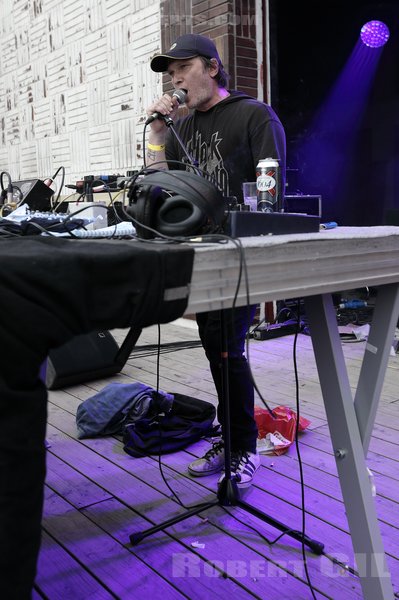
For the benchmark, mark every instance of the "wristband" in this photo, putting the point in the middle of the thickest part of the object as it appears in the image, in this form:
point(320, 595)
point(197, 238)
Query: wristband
point(155, 147)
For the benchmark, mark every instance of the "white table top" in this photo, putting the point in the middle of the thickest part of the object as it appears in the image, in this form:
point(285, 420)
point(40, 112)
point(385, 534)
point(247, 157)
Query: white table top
point(294, 265)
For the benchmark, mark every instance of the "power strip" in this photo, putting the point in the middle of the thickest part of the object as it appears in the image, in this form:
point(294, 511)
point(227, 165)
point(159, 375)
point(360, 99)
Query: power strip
point(268, 332)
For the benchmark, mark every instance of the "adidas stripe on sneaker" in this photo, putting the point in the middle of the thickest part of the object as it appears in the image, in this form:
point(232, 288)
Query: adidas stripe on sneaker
point(243, 467)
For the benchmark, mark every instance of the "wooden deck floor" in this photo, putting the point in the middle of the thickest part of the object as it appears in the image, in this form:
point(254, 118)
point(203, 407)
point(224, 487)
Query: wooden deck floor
point(97, 495)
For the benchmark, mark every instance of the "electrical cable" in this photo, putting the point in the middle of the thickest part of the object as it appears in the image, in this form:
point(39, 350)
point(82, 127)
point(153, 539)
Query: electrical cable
point(186, 164)
point(299, 462)
point(159, 460)
point(66, 199)
point(276, 320)
point(298, 455)
point(344, 566)
point(302, 484)
point(175, 495)
point(150, 170)
point(113, 235)
point(143, 351)
point(242, 267)
point(6, 233)
point(243, 270)
point(112, 209)
point(57, 203)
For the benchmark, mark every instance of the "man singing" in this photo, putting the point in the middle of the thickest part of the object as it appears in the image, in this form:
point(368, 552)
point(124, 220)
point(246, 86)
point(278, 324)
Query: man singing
point(226, 133)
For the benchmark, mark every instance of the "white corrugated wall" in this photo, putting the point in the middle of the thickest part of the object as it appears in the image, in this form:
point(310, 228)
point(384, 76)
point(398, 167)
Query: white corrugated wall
point(74, 83)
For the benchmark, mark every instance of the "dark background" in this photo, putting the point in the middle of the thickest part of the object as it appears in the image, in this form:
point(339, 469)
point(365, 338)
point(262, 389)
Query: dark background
point(310, 45)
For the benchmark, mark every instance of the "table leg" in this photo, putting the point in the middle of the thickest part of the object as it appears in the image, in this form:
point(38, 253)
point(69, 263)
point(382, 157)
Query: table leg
point(375, 360)
point(348, 449)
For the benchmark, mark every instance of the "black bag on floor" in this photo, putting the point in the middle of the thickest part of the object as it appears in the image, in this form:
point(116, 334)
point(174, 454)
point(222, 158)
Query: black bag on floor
point(188, 420)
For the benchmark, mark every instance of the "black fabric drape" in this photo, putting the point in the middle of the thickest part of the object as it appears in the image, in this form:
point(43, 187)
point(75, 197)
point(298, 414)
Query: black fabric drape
point(52, 289)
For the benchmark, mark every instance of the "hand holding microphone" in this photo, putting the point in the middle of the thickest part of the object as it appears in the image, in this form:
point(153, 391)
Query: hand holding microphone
point(165, 109)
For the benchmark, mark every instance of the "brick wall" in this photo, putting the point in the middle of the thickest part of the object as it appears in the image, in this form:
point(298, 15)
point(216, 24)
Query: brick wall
point(246, 53)
point(232, 26)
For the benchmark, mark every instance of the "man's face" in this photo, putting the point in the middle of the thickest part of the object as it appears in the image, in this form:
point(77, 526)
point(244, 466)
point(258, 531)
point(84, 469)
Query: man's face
point(191, 75)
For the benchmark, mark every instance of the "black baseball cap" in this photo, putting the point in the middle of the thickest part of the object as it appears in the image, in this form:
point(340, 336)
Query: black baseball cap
point(186, 46)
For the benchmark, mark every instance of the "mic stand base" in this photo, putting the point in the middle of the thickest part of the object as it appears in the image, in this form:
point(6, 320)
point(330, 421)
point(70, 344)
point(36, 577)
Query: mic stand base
point(135, 538)
point(228, 493)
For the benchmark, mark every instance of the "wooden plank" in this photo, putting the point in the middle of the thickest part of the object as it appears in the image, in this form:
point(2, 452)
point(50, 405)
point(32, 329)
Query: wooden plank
point(210, 573)
point(106, 512)
point(60, 576)
point(323, 503)
point(151, 505)
point(74, 488)
point(325, 463)
point(141, 469)
point(119, 495)
point(377, 447)
point(91, 546)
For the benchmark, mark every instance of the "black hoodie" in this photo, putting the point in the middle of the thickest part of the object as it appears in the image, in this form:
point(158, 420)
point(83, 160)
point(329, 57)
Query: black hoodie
point(229, 139)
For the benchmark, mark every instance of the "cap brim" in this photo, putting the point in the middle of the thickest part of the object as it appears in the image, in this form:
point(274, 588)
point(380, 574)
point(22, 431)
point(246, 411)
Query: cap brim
point(160, 62)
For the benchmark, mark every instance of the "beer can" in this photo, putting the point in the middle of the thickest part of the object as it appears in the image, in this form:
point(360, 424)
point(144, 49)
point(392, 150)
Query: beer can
point(268, 185)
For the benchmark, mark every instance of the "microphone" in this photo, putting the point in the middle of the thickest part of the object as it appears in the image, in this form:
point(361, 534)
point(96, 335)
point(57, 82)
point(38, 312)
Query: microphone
point(180, 96)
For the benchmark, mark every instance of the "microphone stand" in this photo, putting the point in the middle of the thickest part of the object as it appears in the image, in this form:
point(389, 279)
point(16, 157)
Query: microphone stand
point(169, 122)
point(227, 494)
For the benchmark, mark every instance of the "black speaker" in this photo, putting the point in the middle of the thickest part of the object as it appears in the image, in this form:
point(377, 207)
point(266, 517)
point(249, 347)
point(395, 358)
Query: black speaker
point(176, 203)
point(84, 358)
point(35, 193)
point(303, 203)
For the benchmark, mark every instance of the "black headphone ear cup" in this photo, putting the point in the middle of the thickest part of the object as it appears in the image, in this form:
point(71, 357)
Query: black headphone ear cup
point(179, 216)
point(177, 203)
point(145, 210)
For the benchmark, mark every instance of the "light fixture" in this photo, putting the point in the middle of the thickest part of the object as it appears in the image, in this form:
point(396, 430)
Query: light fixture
point(374, 34)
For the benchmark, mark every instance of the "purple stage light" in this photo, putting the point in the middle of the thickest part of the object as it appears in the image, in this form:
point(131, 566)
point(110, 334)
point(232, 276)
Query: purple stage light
point(374, 34)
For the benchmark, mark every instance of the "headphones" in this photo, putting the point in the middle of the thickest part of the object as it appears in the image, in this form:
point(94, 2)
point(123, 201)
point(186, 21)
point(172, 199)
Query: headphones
point(176, 203)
